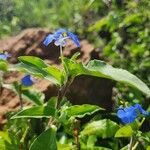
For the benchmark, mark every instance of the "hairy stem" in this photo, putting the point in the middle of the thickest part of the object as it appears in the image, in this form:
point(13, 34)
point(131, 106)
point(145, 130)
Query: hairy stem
point(135, 146)
point(20, 97)
point(1, 80)
point(62, 91)
point(61, 52)
point(131, 143)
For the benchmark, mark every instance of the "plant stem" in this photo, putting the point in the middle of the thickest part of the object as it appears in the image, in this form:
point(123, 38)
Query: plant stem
point(62, 91)
point(141, 122)
point(76, 133)
point(1, 79)
point(135, 146)
point(130, 144)
point(20, 97)
point(61, 52)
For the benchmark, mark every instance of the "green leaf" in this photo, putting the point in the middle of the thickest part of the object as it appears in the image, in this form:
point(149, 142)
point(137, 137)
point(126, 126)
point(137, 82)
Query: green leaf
point(125, 131)
point(46, 140)
point(32, 95)
point(101, 69)
point(98, 25)
point(75, 56)
point(38, 111)
point(3, 65)
point(32, 60)
point(100, 148)
point(35, 96)
point(55, 73)
point(103, 128)
point(148, 148)
point(65, 147)
point(82, 110)
point(91, 141)
point(36, 66)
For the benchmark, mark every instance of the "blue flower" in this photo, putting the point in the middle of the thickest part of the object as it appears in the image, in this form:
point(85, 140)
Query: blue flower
point(27, 80)
point(129, 114)
point(60, 37)
point(4, 56)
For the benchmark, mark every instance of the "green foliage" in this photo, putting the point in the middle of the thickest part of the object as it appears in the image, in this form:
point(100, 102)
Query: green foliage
point(120, 29)
point(46, 140)
point(125, 131)
point(82, 110)
point(3, 65)
point(122, 33)
point(29, 94)
point(101, 69)
point(103, 128)
point(38, 111)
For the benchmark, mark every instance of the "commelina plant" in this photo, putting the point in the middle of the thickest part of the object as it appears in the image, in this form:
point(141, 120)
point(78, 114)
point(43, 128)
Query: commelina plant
point(55, 123)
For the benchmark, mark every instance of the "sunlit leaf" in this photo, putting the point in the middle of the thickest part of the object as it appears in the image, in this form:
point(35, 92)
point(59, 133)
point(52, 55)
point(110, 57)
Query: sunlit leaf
point(82, 110)
point(3, 65)
point(101, 69)
point(38, 111)
point(125, 131)
point(103, 128)
point(46, 140)
point(35, 66)
point(55, 73)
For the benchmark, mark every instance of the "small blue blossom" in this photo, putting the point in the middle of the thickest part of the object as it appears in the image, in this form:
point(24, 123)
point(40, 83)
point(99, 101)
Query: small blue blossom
point(27, 80)
point(60, 37)
point(4, 56)
point(129, 114)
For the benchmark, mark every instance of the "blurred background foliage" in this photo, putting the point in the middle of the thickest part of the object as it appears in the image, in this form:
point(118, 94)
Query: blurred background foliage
point(119, 29)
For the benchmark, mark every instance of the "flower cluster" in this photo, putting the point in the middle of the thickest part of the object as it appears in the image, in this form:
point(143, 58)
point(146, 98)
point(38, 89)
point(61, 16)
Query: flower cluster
point(129, 114)
point(60, 37)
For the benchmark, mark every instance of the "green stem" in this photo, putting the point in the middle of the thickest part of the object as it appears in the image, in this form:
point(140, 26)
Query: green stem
point(1, 80)
point(135, 146)
point(61, 52)
point(141, 122)
point(130, 144)
point(20, 97)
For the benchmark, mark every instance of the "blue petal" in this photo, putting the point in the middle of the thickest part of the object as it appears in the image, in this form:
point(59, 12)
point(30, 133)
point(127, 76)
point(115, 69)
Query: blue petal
point(74, 38)
point(27, 81)
point(130, 108)
point(48, 39)
point(4, 56)
point(127, 115)
point(140, 109)
point(121, 113)
point(58, 33)
point(128, 119)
